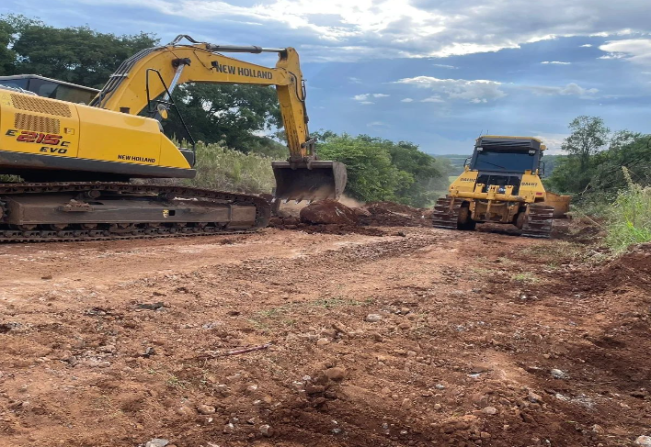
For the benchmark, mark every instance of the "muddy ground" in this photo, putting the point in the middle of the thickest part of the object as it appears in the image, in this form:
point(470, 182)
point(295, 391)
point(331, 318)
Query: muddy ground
point(402, 336)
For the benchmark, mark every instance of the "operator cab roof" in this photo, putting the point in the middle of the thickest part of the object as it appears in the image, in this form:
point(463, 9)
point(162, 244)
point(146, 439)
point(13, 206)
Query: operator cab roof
point(506, 142)
point(49, 88)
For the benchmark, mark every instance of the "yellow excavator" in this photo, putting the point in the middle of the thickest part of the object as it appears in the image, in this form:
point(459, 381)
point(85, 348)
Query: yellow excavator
point(500, 184)
point(76, 159)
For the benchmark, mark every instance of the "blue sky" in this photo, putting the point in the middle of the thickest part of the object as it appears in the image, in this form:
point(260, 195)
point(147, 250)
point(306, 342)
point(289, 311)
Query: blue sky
point(434, 72)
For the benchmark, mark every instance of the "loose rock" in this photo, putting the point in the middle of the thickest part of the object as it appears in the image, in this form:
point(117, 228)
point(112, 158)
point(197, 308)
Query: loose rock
point(489, 410)
point(558, 374)
point(266, 431)
point(206, 409)
point(337, 374)
point(644, 441)
point(157, 442)
point(373, 318)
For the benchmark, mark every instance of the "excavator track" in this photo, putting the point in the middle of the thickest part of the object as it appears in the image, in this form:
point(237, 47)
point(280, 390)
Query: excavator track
point(445, 213)
point(539, 221)
point(18, 200)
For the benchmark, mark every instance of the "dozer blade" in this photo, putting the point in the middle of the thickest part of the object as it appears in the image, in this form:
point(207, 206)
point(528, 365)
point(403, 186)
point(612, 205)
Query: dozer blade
point(317, 181)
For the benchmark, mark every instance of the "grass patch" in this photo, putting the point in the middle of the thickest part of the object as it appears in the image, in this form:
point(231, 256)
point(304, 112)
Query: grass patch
point(556, 253)
point(526, 278)
point(229, 170)
point(629, 217)
point(175, 382)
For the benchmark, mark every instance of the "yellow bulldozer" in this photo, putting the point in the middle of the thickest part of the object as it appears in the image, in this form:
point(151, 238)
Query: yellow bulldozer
point(76, 160)
point(501, 183)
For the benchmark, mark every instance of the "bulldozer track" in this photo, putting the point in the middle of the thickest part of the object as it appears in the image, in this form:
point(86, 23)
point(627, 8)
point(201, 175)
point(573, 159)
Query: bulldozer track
point(445, 213)
point(11, 234)
point(539, 221)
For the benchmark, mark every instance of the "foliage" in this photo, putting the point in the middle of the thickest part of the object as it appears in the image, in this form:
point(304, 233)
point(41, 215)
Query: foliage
point(380, 169)
point(629, 217)
point(602, 177)
point(79, 55)
point(7, 55)
point(229, 170)
point(589, 134)
point(229, 114)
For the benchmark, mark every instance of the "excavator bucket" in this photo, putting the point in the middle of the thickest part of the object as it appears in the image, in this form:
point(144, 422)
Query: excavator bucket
point(318, 180)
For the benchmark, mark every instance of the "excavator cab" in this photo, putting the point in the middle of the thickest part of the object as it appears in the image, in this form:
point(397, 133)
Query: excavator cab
point(49, 88)
point(310, 180)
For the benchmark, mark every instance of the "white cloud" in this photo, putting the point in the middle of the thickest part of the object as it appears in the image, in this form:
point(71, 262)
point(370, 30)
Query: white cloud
point(553, 141)
point(571, 89)
point(367, 102)
point(457, 88)
point(451, 67)
point(377, 124)
point(432, 99)
point(364, 98)
point(634, 50)
point(355, 80)
point(555, 63)
point(612, 56)
point(587, 45)
point(407, 100)
point(349, 29)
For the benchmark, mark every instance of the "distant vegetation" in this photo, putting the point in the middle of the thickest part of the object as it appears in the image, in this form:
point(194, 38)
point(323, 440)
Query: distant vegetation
point(609, 176)
point(380, 169)
point(455, 162)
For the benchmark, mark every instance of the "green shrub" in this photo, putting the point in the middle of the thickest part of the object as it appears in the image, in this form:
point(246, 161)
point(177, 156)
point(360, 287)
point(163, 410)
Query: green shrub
point(229, 170)
point(629, 217)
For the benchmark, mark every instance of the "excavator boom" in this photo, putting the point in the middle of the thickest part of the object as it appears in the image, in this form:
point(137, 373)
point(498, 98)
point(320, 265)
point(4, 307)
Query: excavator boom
point(155, 72)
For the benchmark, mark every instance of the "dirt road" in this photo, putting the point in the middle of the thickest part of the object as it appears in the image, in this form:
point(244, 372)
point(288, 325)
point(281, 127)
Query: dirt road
point(430, 338)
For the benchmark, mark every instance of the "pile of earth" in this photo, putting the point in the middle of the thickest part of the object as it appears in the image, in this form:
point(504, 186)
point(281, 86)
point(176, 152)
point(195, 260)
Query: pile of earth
point(390, 214)
point(619, 276)
point(325, 216)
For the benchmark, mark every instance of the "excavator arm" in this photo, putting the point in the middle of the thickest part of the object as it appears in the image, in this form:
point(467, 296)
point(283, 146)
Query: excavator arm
point(156, 72)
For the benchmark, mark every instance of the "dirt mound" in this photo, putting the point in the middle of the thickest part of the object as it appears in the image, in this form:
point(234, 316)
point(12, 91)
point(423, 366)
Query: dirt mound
point(328, 212)
point(393, 214)
point(629, 271)
point(633, 268)
point(293, 223)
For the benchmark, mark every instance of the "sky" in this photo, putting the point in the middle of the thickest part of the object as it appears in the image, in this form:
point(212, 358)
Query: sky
point(437, 73)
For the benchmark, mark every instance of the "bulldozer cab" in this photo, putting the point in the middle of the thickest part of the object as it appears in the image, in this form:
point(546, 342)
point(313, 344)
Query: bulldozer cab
point(49, 88)
point(502, 155)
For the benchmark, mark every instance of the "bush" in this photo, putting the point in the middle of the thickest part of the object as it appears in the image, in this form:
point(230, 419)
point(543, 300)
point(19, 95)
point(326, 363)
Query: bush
point(229, 170)
point(629, 217)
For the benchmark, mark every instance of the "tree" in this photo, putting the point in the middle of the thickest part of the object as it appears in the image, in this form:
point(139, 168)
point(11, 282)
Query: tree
point(380, 169)
point(7, 55)
point(589, 135)
point(79, 55)
point(230, 114)
point(371, 175)
point(627, 149)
